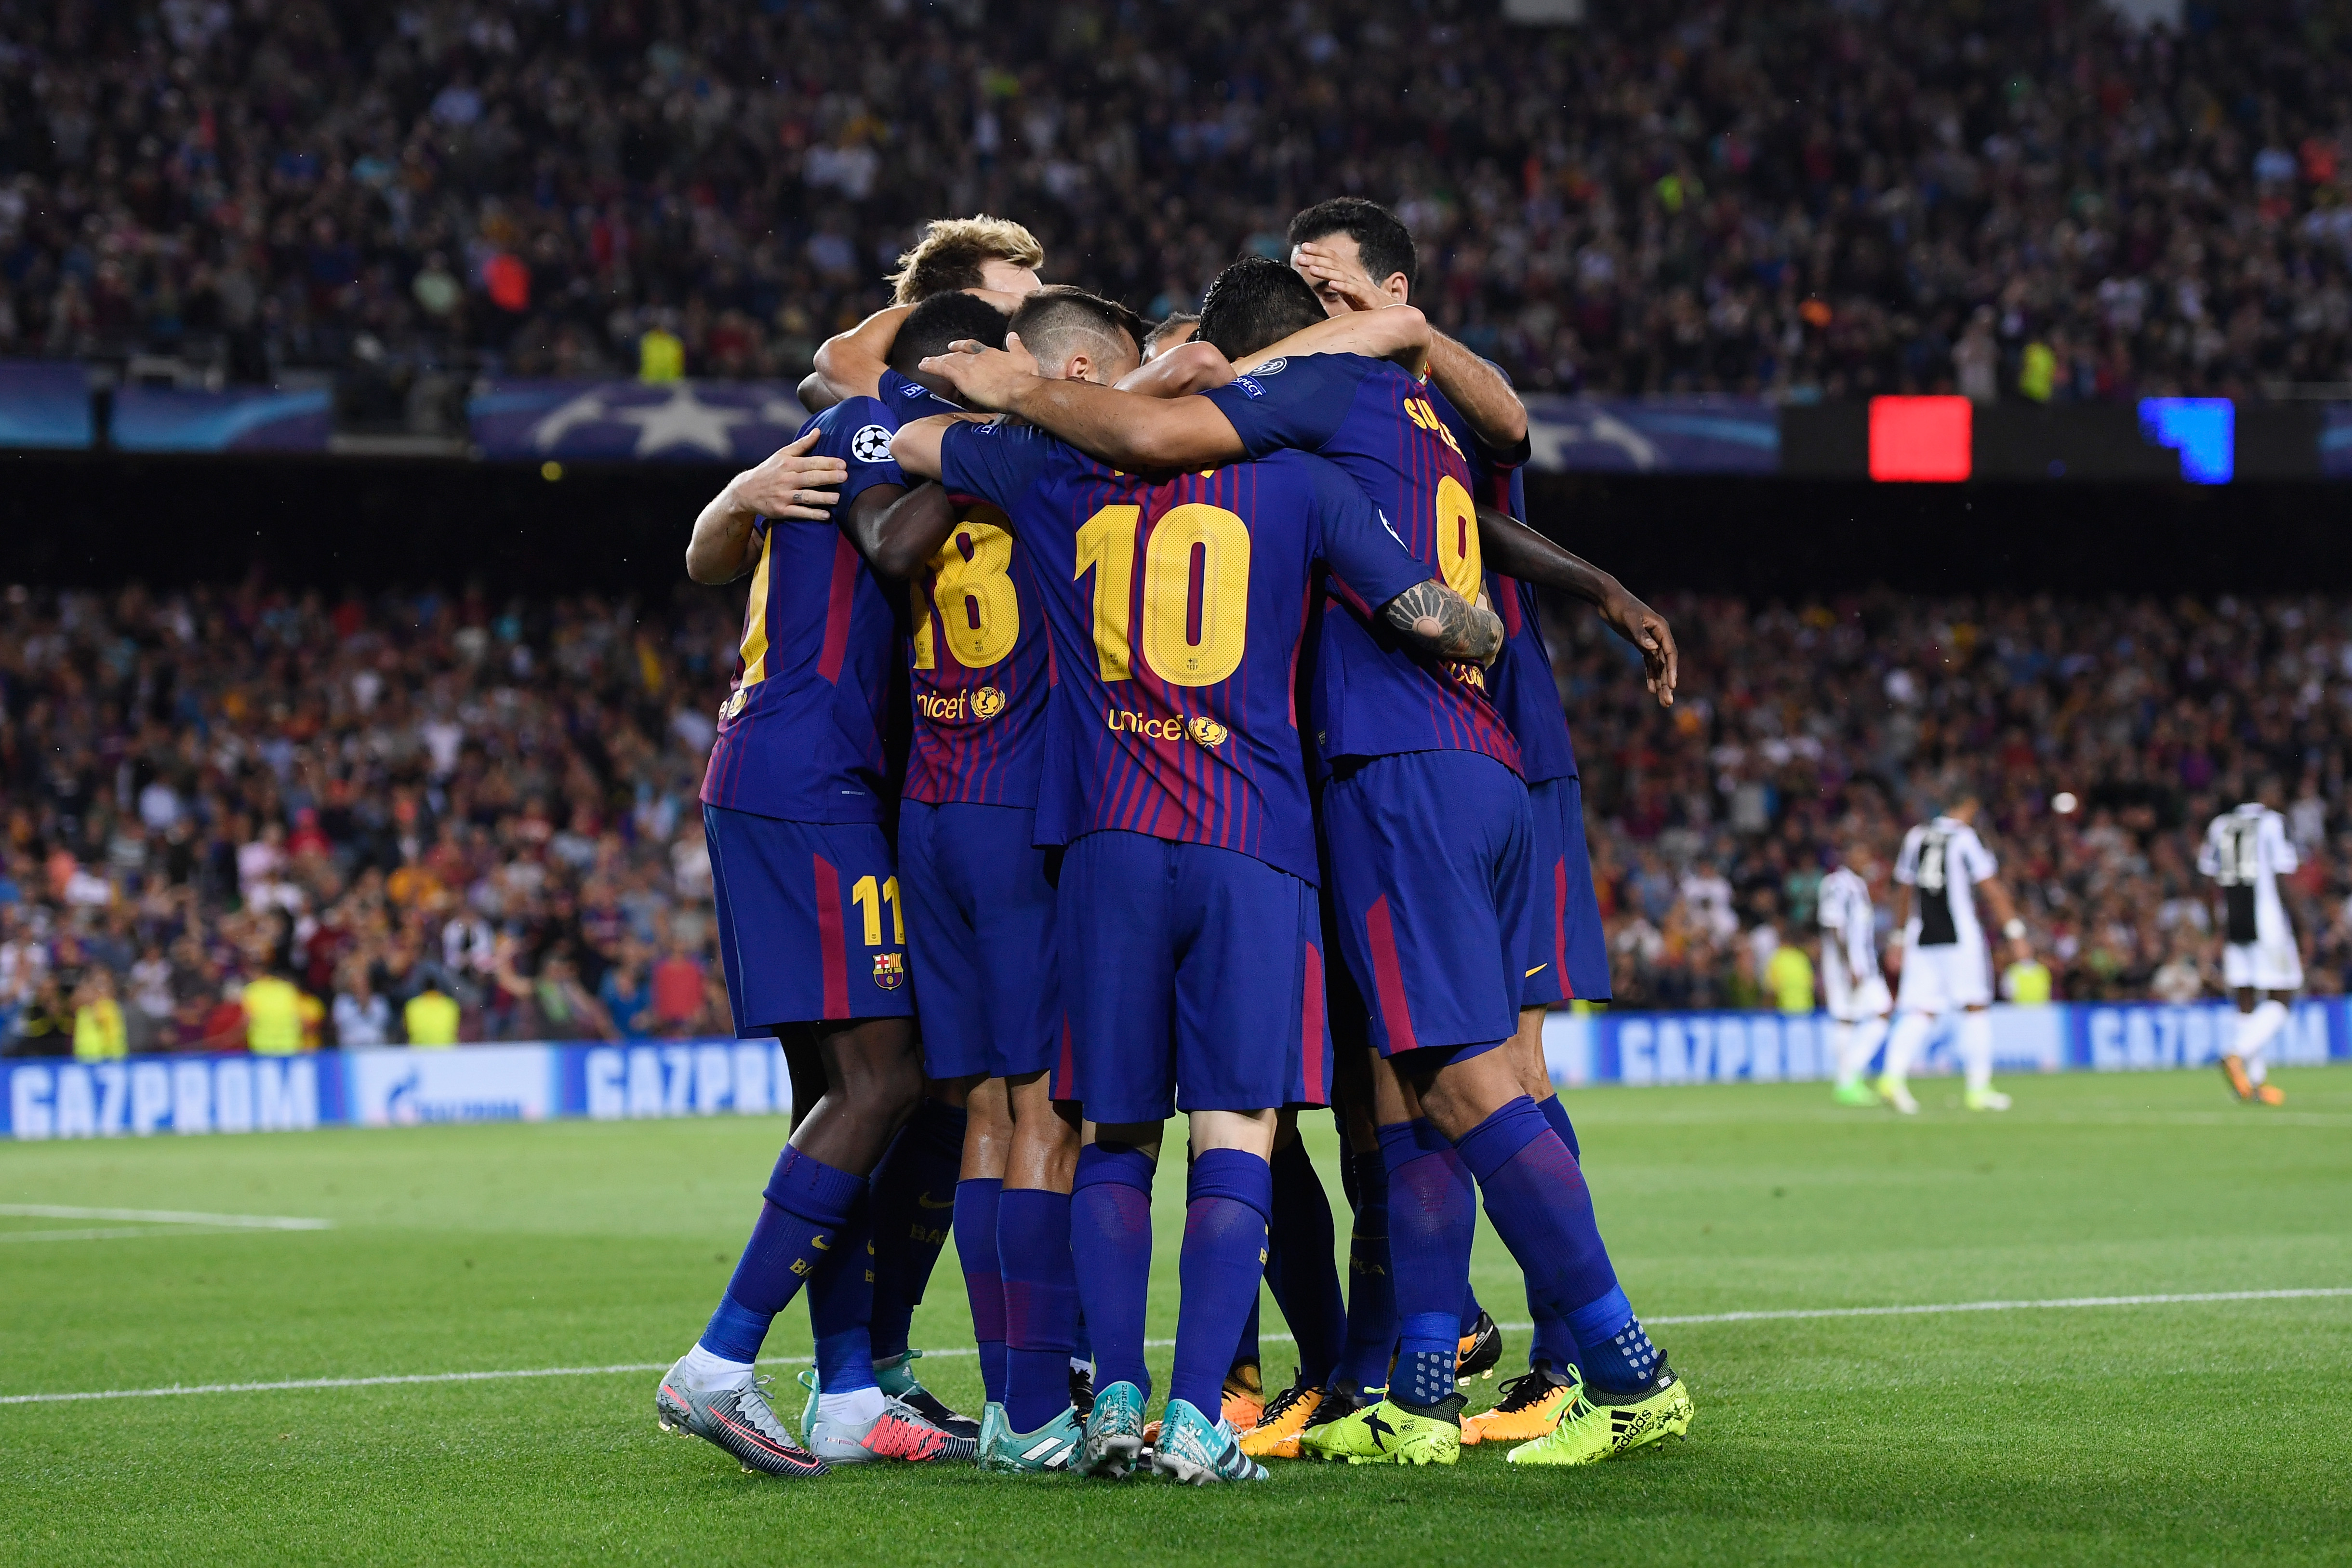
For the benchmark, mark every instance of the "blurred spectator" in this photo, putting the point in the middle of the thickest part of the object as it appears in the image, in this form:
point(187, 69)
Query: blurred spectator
point(678, 991)
point(431, 1018)
point(97, 1032)
point(360, 1017)
point(1789, 977)
point(273, 1016)
point(627, 996)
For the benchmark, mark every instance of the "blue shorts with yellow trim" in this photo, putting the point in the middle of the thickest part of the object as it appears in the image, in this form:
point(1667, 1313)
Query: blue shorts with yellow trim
point(1430, 854)
point(811, 922)
point(980, 920)
point(1191, 980)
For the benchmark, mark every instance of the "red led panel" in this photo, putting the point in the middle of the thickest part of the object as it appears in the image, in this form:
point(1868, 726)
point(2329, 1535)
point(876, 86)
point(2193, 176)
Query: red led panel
point(1919, 438)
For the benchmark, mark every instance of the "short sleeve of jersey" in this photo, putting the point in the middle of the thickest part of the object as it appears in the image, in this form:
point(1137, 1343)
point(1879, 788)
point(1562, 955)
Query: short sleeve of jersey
point(996, 463)
point(1291, 403)
point(1976, 861)
point(1362, 551)
point(2283, 860)
point(857, 430)
point(2208, 854)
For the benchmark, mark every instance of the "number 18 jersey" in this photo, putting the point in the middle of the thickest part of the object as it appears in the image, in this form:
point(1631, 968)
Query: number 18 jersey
point(1178, 609)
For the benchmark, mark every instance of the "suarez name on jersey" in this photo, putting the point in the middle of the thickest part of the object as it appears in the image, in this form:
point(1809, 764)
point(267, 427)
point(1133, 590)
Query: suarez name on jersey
point(1373, 696)
point(803, 732)
point(1178, 609)
point(1526, 692)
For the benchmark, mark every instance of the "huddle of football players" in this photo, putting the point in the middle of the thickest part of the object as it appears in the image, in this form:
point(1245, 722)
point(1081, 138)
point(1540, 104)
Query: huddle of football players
point(1094, 683)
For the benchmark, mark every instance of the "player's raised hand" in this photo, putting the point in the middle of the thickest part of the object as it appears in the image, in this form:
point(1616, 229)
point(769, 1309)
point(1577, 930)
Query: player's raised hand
point(985, 377)
point(1647, 630)
point(1335, 281)
point(791, 484)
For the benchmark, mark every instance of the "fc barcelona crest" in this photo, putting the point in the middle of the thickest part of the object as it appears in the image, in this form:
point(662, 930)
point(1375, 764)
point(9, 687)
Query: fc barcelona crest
point(889, 970)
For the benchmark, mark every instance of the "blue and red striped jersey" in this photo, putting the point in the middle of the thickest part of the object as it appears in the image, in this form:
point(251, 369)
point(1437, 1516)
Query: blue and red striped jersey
point(982, 664)
point(979, 659)
point(1526, 692)
point(1374, 695)
point(803, 733)
point(1178, 610)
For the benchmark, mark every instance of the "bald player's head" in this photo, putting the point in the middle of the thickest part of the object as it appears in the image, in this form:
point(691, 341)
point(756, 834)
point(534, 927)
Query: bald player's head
point(1077, 336)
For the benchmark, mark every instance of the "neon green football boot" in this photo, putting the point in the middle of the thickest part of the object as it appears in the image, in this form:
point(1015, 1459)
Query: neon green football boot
point(1600, 1425)
point(1388, 1434)
point(1854, 1092)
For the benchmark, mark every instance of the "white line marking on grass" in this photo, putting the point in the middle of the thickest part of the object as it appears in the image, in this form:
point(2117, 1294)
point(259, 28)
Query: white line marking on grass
point(401, 1379)
point(2057, 1304)
point(168, 1216)
point(136, 1235)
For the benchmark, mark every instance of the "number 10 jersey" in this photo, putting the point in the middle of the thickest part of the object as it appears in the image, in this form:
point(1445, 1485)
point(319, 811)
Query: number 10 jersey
point(1178, 608)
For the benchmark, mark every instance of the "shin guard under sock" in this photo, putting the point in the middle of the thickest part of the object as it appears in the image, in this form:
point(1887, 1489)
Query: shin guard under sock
point(1110, 1225)
point(1041, 1305)
point(807, 1204)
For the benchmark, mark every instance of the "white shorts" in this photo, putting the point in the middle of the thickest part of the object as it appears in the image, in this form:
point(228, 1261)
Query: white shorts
point(1850, 1003)
point(2263, 966)
point(1938, 978)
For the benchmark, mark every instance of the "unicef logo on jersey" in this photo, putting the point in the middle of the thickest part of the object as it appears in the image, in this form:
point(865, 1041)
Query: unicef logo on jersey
point(870, 445)
point(1206, 732)
point(987, 702)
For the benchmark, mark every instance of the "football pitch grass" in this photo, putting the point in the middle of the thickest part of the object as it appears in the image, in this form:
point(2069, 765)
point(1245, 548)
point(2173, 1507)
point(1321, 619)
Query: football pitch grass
point(2177, 1431)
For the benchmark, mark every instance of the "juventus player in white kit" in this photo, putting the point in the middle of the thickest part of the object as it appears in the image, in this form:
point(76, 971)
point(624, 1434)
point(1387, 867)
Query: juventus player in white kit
point(2246, 851)
point(1851, 979)
point(1945, 965)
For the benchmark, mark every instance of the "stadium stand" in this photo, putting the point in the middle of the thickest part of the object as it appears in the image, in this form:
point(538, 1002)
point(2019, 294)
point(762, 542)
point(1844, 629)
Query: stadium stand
point(2012, 198)
point(1711, 824)
point(497, 802)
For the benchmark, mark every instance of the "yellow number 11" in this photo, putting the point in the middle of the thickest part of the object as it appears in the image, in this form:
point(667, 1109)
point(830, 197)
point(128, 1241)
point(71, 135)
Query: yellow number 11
point(868, 900)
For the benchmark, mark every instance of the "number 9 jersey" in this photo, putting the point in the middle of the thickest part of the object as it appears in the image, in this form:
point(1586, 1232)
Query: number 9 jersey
point(1372, 697)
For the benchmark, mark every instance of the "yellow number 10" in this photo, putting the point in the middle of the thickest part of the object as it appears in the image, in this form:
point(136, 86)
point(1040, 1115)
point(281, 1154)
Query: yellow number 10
point(1196, 592)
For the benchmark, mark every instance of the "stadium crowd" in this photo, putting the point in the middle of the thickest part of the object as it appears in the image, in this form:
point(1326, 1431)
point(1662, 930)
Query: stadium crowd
point(2011, 198)
point(235, 818)
point(2101, 738)
point(238, 817)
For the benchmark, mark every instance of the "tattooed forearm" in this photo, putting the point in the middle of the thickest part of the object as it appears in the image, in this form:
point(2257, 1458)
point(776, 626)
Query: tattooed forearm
point(1445, 623)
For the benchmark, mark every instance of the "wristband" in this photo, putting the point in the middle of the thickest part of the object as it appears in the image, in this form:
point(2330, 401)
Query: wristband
point(2014, 930)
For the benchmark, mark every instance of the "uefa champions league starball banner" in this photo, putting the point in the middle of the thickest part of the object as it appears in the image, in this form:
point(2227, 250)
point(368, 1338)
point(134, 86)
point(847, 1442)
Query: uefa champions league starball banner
point(142, 1096)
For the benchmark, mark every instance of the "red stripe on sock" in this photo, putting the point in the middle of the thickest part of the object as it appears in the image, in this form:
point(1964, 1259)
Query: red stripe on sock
point(1388, 977)
point(830, 946)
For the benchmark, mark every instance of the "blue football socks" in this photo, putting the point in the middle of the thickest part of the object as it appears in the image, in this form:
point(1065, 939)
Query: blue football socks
point(841, 1308)
point(1227, 1197)
point(1539, 1202)
point(807, 1203)
point(1433, 1217)
point(913, 1203)
point(1110, 1226)
point(1041, 1304)
point(1298, 1264)
point(983, 1280)
point(1554, 1345)
point(1371, 1285)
